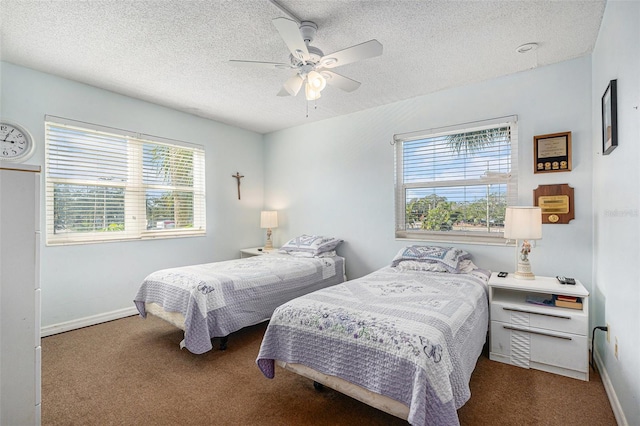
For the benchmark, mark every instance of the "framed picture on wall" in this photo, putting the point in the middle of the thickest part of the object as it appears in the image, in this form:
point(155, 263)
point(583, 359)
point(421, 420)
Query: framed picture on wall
point(552, 153)
point(610, 118)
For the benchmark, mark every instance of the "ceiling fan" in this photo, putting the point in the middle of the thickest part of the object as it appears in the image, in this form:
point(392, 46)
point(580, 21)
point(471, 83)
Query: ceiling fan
point(312, 67)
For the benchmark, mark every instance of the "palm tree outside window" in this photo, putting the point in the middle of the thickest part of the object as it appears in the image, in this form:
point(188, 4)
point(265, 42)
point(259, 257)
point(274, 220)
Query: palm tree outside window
point(105, 184)
point(454, 183)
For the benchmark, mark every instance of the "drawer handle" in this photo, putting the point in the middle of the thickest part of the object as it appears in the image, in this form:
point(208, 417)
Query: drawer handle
point(537, 313)
point(536, 332)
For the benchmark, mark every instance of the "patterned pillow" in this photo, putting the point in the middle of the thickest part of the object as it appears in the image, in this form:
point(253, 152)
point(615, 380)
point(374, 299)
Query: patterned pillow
point(331, 253)
point(314, 244)
point(413, 265)
point(448, 257)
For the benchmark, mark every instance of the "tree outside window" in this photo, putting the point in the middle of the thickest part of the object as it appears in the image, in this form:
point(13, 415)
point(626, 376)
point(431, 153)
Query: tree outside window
point(455, 184)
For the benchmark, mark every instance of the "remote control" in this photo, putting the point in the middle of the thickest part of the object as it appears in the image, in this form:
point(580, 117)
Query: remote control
point(566, 280)
point(502, 274)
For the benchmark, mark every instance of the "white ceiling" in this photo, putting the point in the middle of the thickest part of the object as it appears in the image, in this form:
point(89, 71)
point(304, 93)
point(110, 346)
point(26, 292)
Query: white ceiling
point(175, 52)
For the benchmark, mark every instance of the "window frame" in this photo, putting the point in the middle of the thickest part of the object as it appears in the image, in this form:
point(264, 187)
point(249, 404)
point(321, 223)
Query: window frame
point(134, 188)
point(465, 237)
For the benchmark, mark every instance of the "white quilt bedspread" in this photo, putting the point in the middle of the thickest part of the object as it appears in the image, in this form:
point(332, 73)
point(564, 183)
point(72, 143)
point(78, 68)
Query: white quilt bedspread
point(410, 335)
point(220, 298)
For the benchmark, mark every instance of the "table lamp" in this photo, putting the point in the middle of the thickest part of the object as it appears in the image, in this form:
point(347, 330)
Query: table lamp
point(268, 219)
point(523, 223)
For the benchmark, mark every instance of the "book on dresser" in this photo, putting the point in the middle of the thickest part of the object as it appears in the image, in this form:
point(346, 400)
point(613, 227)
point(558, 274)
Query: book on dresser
point(571, 302)
point(539, 300)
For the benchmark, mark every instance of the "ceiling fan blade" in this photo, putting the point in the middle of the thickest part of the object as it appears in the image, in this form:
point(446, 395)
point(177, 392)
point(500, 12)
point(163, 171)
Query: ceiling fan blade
point(293, 85)
point(283, 92)
point(290, 33)
point(368, 49)
point(340, 81)
point(258, 64)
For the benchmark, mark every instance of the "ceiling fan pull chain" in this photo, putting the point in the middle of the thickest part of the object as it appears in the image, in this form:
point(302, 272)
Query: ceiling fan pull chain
point(307, 109)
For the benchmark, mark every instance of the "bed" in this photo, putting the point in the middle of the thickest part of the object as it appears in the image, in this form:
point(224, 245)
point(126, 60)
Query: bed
point(213, 300)
point(404, 339)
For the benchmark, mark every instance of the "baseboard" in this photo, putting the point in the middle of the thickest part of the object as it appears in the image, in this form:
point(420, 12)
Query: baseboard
point(50, 330)
point(611, 392)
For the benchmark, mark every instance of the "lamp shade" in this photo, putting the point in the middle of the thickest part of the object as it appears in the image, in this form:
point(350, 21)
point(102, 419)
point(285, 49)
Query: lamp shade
point(310, 93)
point(316, 81)
point(523, 223)
point(269, 219)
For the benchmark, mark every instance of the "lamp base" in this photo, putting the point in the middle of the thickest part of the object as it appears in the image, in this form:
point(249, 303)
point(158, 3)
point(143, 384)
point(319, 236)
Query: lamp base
point(268, 245)
point(524, 275)
point(523, 271)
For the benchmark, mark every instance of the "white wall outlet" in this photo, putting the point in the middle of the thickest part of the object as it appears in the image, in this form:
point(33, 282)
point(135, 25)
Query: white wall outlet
point(608, 333)
point(615, 349)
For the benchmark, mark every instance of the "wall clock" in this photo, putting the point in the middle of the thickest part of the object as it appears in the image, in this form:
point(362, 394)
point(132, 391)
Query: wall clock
point(16, 143)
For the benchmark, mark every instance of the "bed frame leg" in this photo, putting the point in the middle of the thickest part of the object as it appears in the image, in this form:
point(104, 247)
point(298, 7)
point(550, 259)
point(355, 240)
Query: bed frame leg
point(223, 343)
point(318, 386)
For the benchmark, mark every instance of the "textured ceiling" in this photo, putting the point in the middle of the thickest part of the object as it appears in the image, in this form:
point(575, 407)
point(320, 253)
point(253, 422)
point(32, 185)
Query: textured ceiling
point(176, 52)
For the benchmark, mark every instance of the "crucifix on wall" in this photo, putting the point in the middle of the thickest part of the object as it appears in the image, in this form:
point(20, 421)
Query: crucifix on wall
point(238, 176)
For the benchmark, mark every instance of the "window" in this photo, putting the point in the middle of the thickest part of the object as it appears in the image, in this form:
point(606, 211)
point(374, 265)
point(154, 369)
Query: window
point(104, 184)
point(453, 184)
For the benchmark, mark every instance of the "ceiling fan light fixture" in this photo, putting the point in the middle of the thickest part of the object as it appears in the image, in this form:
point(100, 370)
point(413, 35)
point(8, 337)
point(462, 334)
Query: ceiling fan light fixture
point(310, 93)
point(311, 65)
point(316, 81)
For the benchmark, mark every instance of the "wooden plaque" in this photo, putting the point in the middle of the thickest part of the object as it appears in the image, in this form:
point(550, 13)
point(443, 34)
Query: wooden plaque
point(556, 202)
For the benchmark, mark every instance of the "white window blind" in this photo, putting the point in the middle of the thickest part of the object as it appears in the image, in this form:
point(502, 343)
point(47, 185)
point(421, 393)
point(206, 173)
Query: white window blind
point(104, 184)
point(453, 184)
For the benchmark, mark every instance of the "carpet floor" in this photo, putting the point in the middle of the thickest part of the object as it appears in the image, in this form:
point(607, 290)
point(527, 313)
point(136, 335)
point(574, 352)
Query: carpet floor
point(132, 372)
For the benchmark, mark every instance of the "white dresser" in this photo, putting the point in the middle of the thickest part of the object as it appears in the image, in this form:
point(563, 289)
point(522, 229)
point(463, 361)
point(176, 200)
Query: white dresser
point(548, 338)
point(20, 352)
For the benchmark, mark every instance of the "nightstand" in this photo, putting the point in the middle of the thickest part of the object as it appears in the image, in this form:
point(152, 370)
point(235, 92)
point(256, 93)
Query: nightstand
point(255, 251)
point(548, 338)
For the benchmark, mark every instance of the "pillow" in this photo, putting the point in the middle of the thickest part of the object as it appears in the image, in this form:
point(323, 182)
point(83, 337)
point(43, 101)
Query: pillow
point(314, 244)
point(412, 265)
point(466, 266)
point(331, 253)
point(448, 257)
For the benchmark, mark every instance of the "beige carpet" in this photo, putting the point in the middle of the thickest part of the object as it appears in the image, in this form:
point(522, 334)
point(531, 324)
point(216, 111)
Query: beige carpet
point(132, 372)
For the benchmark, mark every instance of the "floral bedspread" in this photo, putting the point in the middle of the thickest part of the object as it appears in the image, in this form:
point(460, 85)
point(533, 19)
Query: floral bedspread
point(413, 336)
point(219, 298)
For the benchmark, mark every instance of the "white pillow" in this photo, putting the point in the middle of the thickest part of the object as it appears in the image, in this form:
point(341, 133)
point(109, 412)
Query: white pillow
point(465, 266)
point(331, 253)
point(314, 244)
point(413, 265)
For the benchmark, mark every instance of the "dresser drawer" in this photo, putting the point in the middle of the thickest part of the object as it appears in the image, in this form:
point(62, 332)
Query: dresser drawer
point(521, 346)
point(554, 319)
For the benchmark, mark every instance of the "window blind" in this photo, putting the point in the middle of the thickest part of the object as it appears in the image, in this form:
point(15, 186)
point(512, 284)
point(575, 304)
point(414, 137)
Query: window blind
point(454, 183)
point(106, 184)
